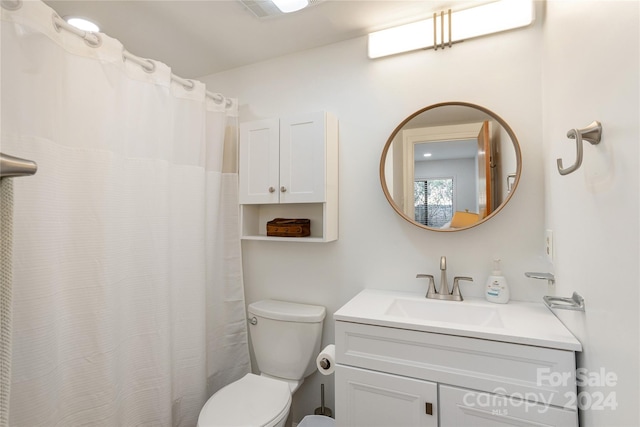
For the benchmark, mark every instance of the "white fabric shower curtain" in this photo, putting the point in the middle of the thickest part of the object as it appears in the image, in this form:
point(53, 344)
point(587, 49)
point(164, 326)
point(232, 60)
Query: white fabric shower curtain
point(128, 302)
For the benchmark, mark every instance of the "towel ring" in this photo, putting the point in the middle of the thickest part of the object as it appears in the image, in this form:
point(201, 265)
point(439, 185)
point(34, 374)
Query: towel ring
point(592, 133)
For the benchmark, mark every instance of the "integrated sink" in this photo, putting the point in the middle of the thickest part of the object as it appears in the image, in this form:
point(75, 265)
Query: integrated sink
point(516, 322)
point(445, 311)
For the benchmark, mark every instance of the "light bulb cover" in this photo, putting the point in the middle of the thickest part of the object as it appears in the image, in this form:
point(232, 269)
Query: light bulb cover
point(82, 24)
point(405, 38)
point(288, 6)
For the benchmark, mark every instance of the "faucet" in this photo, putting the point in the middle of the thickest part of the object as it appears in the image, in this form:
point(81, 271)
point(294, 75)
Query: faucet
point(444, 293)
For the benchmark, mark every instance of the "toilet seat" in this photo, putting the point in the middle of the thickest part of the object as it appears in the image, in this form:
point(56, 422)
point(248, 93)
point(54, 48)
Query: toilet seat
point(250, 401)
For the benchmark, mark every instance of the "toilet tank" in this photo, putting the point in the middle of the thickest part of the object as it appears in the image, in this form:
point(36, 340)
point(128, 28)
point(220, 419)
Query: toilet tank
point(286, 337)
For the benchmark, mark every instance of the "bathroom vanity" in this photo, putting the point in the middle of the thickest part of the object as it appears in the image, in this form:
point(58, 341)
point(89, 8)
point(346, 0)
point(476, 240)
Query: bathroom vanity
point(403, 360)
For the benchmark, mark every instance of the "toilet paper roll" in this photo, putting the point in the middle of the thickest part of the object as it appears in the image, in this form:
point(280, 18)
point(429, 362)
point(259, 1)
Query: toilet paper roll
point(326, 360)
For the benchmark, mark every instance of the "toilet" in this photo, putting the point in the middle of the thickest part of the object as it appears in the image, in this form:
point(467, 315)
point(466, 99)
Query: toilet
point(286, 339)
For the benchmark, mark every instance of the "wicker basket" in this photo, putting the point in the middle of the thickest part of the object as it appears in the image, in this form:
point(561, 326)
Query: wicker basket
point(287, 227)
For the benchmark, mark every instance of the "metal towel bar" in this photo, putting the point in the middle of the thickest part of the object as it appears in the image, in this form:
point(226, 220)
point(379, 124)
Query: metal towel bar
point(576, 302)
point(11, 166)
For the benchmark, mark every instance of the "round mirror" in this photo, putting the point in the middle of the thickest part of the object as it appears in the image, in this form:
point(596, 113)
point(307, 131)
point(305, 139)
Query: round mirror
point(450, 166)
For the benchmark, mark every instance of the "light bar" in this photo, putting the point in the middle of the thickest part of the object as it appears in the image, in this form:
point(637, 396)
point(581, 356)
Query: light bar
point(478, 21)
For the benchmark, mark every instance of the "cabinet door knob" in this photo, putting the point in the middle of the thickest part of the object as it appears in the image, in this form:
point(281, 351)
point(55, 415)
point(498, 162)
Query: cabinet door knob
point(283, 189)
point(271, 189)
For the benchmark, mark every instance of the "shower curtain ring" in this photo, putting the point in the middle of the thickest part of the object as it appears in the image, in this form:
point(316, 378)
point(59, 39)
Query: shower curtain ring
point(8, 5)
point(92, 43)
point(54, 19)
point(150, 68)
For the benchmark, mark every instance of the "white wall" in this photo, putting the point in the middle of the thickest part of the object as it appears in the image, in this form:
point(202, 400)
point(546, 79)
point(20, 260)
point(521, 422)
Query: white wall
point(563, 72)
point(592, 73)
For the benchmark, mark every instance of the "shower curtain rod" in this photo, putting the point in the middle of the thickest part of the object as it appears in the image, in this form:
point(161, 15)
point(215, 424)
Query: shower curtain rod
point(15, 166)
point(95, 40)
point(149, 66)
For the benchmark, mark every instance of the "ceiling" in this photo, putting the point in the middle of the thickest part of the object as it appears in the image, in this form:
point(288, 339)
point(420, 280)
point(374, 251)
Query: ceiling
point(201, 37)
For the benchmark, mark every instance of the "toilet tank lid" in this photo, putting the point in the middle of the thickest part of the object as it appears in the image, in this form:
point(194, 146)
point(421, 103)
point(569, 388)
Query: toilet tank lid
point(287, 311)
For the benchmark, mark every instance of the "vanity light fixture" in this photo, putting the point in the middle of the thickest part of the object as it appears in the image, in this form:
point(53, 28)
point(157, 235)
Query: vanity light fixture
point(427, 154)
point(82, 24)
point(446, 28)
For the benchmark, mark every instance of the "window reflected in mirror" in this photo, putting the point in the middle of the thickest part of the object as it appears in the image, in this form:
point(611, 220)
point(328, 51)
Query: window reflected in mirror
point(433, 201)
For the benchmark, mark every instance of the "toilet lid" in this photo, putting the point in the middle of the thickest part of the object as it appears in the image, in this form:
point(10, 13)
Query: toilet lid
point(250, 401)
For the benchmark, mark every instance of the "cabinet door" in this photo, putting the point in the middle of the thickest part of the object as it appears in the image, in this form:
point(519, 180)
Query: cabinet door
point(302, 158)
point(460, 408)
point(259, 156)
point(373, 399)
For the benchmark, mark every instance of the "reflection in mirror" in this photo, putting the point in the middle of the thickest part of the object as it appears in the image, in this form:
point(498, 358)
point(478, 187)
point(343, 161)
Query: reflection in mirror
point(450, 166)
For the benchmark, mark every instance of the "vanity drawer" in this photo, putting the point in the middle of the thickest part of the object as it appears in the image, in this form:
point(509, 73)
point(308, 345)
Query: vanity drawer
point(462, 407)
point(539, 374)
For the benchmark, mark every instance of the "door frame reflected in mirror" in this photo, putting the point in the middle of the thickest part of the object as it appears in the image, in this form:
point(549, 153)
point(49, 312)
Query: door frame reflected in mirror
point(429, 135)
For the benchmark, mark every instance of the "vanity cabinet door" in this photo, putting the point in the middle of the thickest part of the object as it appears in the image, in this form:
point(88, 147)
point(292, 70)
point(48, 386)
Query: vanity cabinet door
point(259, 156)
point(461, 407)
point(373, 399)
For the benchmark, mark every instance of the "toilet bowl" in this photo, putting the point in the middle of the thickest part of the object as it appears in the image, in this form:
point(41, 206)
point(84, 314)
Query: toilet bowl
point(270, 401)
point(286, 339)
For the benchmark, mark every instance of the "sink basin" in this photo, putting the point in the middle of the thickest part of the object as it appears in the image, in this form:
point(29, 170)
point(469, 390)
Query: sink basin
point(449, 312)
point(517, 322)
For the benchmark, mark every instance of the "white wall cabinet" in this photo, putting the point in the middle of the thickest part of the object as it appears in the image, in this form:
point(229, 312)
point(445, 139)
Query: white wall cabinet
point(387, 376)
point(289, 169)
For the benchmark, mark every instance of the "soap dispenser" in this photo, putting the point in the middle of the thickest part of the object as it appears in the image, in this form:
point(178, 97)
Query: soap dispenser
point(497, 289)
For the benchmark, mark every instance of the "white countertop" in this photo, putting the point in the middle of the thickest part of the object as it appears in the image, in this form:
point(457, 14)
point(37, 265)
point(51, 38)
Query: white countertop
point(516, 322)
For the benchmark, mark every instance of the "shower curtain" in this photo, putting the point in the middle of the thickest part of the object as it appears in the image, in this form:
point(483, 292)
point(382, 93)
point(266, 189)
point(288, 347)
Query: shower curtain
point(128, 301)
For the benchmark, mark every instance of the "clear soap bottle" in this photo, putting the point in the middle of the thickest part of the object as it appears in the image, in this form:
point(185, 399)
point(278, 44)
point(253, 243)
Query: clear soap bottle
point(497, 289)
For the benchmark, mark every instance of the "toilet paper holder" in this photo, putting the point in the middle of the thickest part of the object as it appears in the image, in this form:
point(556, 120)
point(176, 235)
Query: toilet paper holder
point(326, 360)
point(325, 363)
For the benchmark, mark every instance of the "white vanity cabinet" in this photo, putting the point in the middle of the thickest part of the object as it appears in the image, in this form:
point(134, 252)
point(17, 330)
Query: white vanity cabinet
point(289, 169)
point(391, 377)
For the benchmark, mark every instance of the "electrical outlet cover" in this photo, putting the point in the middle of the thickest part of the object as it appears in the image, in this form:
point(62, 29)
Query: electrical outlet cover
point(548, 245)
